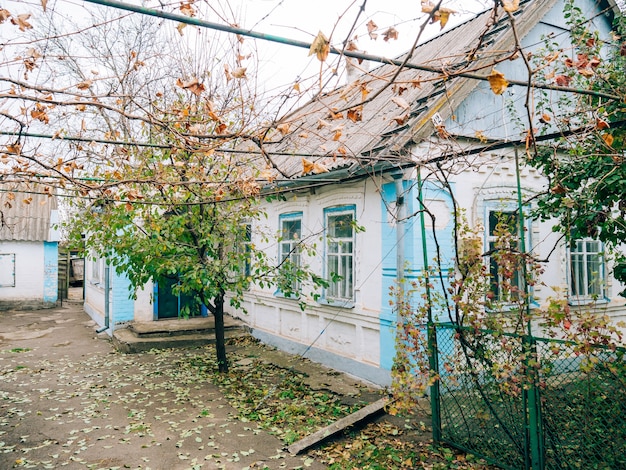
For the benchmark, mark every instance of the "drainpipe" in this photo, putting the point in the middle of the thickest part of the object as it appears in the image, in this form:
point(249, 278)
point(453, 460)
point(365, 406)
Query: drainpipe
point(107, 286)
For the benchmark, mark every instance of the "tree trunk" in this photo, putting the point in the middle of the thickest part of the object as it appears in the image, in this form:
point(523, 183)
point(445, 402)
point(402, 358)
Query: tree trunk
point(220, 342)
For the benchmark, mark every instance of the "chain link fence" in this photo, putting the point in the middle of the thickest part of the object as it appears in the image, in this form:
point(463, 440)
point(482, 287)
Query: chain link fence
point(522, 402)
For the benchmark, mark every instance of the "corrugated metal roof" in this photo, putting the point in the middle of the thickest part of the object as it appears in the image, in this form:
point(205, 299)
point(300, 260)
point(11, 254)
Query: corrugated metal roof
point(403, 106)
point(25, 214)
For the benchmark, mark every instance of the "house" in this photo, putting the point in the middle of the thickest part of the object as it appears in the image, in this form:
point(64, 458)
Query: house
point(28, 247)
point(357, 166)
point(349, 162)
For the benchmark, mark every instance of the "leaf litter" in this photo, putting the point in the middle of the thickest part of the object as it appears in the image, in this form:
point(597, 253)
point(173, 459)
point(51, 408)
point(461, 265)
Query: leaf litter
point(110, 410)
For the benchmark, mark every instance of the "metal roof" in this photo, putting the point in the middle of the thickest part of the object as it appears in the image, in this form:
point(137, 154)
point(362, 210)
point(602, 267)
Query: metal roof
point(25, 214)
point(334, 131)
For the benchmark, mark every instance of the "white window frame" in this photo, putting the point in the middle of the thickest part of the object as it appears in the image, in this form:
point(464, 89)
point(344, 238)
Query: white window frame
point(7, 269)
point(340, 257)
point(97, 268)
point(580, 270)
point(503, 207)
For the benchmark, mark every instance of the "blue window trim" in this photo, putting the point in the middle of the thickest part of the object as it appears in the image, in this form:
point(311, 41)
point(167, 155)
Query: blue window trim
point(281, 218)
point(324, 300)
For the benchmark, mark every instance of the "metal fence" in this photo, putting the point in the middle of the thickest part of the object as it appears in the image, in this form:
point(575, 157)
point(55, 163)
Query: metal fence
point(522, 402)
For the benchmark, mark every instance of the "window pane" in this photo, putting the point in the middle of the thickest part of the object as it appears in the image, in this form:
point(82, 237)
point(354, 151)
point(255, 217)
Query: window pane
point(340, 226)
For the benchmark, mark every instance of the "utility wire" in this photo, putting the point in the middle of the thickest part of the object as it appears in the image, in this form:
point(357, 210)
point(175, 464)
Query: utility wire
point(333, 50)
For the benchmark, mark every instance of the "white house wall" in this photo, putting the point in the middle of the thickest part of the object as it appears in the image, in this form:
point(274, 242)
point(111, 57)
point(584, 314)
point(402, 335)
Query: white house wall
point(344, 338)
point(28, 291)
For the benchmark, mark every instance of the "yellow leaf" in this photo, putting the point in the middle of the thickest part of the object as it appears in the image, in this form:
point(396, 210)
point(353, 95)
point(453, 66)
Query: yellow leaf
point(444, 16)
point(44, 3)
point(296, 87)
point(283, 128)
point(320, 47)
point(497, 82)
point(510, 5)
point(337, 133)
point(608, 139)
point(312, 167)
point(307, 166)
point(180, 28)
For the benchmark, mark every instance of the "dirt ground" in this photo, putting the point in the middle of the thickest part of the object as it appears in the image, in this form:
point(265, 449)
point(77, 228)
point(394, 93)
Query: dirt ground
point(69, 400)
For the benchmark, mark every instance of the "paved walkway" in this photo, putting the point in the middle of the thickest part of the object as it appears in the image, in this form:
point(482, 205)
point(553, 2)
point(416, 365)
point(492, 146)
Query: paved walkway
point(68, 400)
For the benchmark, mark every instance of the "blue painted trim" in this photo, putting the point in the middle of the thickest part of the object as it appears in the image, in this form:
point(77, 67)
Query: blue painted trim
point(155, 300)
point(51, 272)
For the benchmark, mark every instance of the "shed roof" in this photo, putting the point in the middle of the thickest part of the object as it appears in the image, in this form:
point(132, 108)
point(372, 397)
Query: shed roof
point(375, 118)
point(26, 214)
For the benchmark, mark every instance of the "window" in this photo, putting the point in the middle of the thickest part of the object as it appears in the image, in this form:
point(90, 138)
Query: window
point(96, 270)
point(586, 270)
point(7, 269)
point(340, 232)
point(289, 250)
point(505, 268)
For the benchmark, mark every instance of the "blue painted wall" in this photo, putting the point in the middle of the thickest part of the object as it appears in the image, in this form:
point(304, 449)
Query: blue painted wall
point(122, 305)
point(51, 272)
point(439, 243)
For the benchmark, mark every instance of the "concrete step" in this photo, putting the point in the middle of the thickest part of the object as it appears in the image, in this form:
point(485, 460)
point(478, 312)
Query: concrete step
point(127, 342)
point(180, 327)
point(174, 333)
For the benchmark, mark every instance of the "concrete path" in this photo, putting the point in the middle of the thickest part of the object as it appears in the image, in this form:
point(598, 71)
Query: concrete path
point(68, 400)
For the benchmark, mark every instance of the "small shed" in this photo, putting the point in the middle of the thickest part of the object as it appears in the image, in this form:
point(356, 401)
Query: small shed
point(28, 247)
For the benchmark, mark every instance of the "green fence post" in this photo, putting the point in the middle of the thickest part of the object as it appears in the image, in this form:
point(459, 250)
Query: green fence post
point(533, 407)
point(433, 359)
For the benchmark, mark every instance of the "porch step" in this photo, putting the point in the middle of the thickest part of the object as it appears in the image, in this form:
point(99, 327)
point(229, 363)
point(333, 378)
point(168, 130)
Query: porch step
point(164, 334)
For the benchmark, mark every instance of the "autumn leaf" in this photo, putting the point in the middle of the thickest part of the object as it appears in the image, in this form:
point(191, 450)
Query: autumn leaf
point(312, 167)
point(510, 5)
point(320, 47)
point(192, 85)
point(545, 118)
point(608, 139)
point(321, 124)
point(44, 3)
point(84, 85)
point(371, 27)
point(267, 174)
point(221, 128)
point(400, 120)
point(497, 82)
point(391, 33)
point(337, 132)
point(427, 7)
point(187, 9)
point(480, 135)
point(4, 15)
point(296, 87)
point(401, 102)
point(239, 72)
point(283, 128)
point(562, 80)
point(40, 113)
point(21, 22)
point(355, 115)
point(601, 124)
point(443, 15)
point(180, 28)
point(14, 148)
